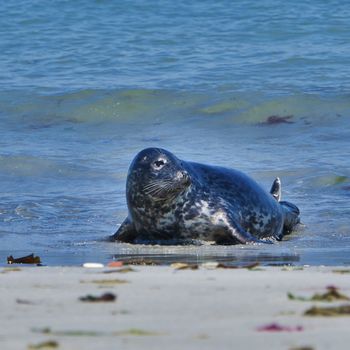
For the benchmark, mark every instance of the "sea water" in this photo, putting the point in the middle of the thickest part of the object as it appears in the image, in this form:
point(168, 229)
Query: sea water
point(260, 86)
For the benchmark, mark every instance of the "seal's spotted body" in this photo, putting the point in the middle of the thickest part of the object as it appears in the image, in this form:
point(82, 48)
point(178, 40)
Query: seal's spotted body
point(169, 199)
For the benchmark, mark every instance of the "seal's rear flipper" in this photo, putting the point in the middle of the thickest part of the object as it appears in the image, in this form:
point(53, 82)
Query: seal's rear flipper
point(276, 189)
point(291, 216)
point(126, 233)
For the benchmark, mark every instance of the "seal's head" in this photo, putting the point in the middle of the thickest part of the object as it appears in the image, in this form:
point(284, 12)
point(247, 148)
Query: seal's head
point(155, 175)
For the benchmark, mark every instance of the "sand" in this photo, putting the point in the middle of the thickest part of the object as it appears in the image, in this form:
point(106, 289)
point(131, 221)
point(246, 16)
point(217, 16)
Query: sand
point(158, 307)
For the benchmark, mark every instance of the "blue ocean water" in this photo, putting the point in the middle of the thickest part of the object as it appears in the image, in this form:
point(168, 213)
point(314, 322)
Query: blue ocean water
point(85, 85)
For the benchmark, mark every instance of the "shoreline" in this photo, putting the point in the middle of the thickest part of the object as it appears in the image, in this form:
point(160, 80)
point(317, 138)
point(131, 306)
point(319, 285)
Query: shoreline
point(160, 307)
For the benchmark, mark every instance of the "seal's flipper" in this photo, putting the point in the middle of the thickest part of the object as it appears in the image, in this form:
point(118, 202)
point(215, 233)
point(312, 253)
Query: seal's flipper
point(291, 216)
point(126, 233)
point(231, 232)
point(276, 189)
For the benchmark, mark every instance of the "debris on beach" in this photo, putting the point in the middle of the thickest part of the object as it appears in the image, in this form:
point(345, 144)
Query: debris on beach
point(115, 264)
point(105, 282)
point(91, 265)
point(342, 271)
point(136, 332)
point(50, 344)
point(331, 311)
point(276, 119)
point(252, 266)
point(70, 333)
point(302, 348)
point(292, 268)
point(24, 302)
point(122, 270)
point(106, 297)
point(136, 261)
point(29, 259)
point(141, 262)
point(85, 333)
point(331, 295)
point(211, 265)
point(184, 266)
point(275, 327)
point(10, 269)
point(201, 336)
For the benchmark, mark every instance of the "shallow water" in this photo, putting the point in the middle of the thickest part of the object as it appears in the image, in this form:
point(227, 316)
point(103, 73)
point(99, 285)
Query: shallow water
point(85, 87)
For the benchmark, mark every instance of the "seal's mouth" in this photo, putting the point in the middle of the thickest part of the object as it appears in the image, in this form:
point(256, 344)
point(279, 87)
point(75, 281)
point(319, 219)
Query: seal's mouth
point(167, 188)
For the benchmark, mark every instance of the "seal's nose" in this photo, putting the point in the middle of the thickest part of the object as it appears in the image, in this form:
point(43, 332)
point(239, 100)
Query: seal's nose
point(183, 176)
point(180, 175)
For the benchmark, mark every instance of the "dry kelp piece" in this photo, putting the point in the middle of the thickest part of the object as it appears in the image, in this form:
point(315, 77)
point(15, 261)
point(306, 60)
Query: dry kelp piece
point(330, 311)
point(50, 344)
point(106, 297)
point(332, 294)
point(29, 259)
point(275, 327)
point(302, 348)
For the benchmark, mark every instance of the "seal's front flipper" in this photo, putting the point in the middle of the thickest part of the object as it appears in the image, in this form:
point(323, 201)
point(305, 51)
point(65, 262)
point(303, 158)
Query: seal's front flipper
point(230, 232)
point(126, 233)
point(276, 189)
point(291, 216)
point(244, 237)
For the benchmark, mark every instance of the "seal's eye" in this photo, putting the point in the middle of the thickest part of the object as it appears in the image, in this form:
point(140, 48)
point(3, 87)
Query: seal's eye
point(158, 164)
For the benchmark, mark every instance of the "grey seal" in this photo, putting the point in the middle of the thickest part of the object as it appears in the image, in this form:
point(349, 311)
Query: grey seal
point(172, 199)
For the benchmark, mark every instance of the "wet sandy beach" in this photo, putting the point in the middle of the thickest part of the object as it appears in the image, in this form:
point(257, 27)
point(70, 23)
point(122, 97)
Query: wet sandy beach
point(163, 307)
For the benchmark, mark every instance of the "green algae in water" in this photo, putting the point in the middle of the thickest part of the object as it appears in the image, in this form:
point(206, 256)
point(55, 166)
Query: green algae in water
point(330, 180)
point(224, 106)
